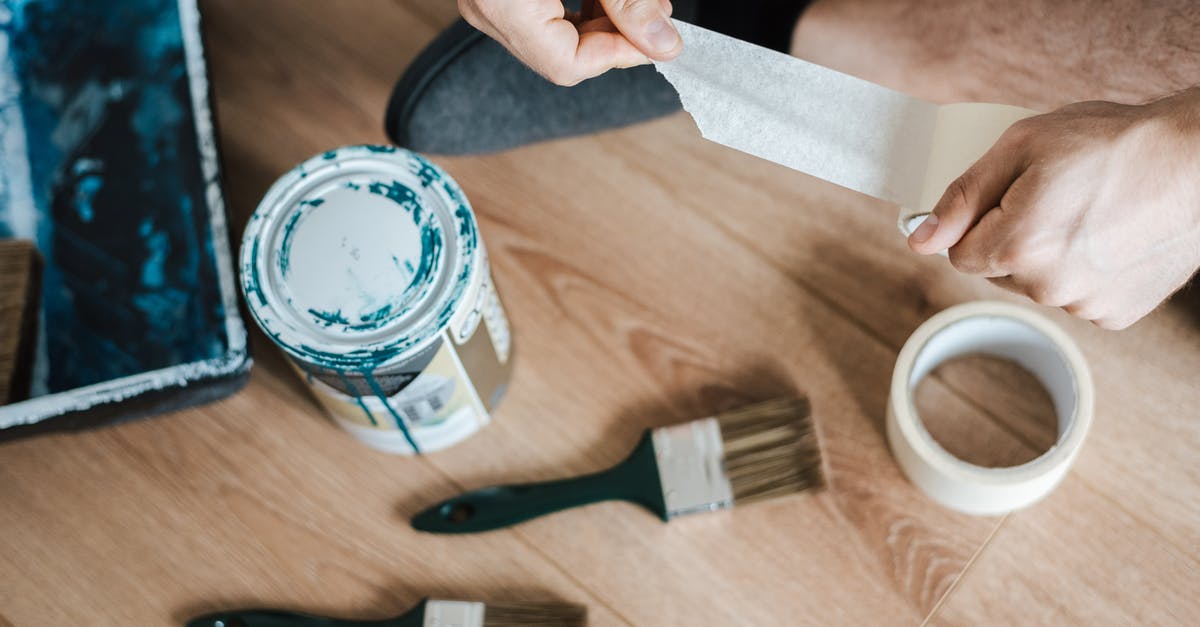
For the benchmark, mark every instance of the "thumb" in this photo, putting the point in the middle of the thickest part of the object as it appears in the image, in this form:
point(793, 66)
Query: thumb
point(968, 198)
point(646, 24)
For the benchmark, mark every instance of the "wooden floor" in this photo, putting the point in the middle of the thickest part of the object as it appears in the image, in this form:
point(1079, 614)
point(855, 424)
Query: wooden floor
point(650, 277)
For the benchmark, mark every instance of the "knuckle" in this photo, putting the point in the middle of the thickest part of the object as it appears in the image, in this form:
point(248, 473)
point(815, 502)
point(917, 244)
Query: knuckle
point(1021, 130)
point(1015, 254)
point(959, 191)
point(965, 260)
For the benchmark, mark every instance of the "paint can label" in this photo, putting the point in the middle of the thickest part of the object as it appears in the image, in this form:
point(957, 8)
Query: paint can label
point(364, 265)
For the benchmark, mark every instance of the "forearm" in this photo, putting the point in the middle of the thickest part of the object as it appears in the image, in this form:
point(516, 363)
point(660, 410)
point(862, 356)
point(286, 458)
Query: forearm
point(1040, 54)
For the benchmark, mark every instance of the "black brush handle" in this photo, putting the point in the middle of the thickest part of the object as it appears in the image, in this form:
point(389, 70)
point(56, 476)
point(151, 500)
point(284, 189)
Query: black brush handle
point(280, 618)
point(635, 479)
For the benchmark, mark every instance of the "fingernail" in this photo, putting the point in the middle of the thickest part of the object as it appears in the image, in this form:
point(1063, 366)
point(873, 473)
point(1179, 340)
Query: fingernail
point(925, 231)
point(661, 35)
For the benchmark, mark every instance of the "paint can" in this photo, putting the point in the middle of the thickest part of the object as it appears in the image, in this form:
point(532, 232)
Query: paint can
point(365, 265)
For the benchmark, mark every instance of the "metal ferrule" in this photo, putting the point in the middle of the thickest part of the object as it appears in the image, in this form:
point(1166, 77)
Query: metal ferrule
point(453, 614)
point(690, 465)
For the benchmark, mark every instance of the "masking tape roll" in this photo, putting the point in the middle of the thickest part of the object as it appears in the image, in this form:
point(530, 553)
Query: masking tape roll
point(1002, 330)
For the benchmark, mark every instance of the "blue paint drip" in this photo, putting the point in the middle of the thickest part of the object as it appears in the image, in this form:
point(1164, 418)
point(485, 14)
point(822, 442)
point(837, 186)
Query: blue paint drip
point(357, 397)
point(399, 421)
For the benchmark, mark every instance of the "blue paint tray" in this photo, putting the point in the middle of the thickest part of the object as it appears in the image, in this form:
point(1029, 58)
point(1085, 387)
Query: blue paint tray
point(108, 163)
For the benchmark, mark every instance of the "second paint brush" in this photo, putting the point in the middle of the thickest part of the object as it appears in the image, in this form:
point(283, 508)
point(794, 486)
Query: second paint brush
point(757, 452)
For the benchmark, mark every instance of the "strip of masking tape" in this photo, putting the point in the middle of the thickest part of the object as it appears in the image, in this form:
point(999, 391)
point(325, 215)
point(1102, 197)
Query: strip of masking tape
point(831, 125)
point(1010, 332)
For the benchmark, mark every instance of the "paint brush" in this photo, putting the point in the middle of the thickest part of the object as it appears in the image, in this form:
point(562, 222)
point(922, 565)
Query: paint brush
point(429, 613)
point(20, 289)
point(753, 453)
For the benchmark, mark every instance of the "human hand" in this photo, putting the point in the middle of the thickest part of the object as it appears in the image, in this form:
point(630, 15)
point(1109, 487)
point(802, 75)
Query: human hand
point(1094, 208)
point(567, 49)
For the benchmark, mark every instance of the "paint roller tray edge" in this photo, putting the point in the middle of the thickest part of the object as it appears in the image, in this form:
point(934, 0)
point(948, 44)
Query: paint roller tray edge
point(108, 162)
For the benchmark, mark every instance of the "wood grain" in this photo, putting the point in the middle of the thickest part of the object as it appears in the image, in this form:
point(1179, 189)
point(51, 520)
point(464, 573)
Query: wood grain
point(675, 279)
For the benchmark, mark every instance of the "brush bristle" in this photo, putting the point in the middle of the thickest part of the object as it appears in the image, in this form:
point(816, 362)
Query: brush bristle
point(539, 614)
point(770, 449)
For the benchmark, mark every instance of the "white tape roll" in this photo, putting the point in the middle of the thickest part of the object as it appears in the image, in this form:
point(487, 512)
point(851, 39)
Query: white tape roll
point(1010, 332)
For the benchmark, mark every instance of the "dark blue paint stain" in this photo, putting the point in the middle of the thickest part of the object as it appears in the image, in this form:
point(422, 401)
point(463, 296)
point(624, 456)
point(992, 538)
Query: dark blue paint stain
point(158, 246)
point(329, 155)
point(408, 266)
point(375, 317)
point(84, 195)
point(352, 185)
point(330, 318)
point(431, 240)
point(401, 195)
point(253, 284)
point(130, 283)
point(285, 246)
point(378, 148)
point(313, 202)
point(426, 171)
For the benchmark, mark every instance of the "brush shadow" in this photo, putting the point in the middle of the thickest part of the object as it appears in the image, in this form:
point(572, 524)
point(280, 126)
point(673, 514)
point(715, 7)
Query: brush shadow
point(391, 600)
point(761, 380)
point(866, 386)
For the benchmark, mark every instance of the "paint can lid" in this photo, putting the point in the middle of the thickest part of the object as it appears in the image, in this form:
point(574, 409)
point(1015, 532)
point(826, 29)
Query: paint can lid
point(359, 257)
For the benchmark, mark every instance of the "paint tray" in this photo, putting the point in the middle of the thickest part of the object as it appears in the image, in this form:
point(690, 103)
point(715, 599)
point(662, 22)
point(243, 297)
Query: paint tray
point(108, 163)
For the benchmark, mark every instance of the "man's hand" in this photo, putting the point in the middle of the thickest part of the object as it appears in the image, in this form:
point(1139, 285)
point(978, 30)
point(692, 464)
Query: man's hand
point(1094, 208)
point(567, 49)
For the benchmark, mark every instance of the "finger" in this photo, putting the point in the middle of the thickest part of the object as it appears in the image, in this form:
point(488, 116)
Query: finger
point(599, 25)
point(969, 197)
point(602, 50)
point(978, 252)
point(647, 26)
point(591, 9)
point(565, 56)
point(999, 244)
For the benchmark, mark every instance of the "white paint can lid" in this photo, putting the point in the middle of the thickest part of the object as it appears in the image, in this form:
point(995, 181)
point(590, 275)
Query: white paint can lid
point(359, 257)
